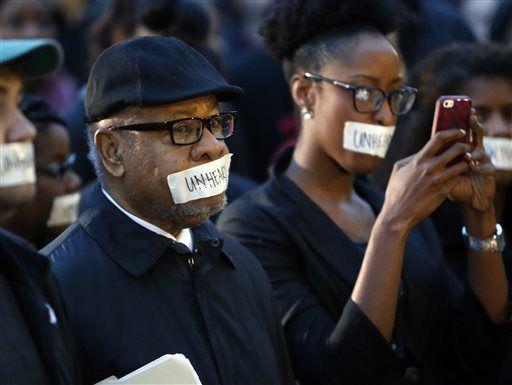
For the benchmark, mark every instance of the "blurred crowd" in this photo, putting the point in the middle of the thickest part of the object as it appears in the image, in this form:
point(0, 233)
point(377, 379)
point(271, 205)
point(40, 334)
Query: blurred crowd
point(447, 47)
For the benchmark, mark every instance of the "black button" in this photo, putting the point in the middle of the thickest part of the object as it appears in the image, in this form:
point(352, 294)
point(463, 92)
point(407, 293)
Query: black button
point(215, 242)
point(412, 375)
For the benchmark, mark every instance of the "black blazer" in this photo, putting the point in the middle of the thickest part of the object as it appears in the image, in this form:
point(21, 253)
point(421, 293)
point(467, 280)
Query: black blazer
point(133, 296)
point(442, 333)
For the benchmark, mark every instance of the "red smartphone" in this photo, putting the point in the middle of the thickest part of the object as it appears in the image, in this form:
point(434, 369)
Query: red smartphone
point(453, 111)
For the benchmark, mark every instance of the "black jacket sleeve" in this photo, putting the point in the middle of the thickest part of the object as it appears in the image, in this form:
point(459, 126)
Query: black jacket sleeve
point(323, 350)
point(458, 332)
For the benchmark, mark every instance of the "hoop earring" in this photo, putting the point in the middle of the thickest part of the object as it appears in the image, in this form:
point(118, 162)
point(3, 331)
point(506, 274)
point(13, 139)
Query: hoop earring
point(306, 114)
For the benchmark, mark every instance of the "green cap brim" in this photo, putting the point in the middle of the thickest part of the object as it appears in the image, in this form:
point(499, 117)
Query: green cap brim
point(31, 57)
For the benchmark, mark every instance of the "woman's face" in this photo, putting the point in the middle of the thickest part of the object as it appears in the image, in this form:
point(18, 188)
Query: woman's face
point(373, 61)
point(492, 99)
point(51, 146)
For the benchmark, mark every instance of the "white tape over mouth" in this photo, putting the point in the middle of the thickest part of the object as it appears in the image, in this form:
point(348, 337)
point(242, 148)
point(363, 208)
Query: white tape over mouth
point(500, 152)
point(367, 138)
point(64, 210)
point(17, 164)
point(199, 182)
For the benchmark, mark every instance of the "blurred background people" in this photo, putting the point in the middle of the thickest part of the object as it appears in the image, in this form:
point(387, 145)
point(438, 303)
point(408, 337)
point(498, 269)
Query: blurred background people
point(53, 173)
point(36, 345)
point(34, 19)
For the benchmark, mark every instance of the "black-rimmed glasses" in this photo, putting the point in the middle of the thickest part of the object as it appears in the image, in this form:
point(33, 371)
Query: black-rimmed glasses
point(369, 99)
point(187, 131)
point(58, 170)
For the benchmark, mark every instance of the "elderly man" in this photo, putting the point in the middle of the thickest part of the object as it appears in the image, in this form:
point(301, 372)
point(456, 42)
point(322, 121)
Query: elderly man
point(143, 272)
point(35, 344)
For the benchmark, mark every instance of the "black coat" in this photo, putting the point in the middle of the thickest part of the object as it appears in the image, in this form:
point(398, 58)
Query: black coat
point(442, 333)
point(132, 297)
point(37, 347)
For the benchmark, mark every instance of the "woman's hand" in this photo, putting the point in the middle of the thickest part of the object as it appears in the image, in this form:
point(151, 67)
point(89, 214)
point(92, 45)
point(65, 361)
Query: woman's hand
point(475, 190)
point(420, 183)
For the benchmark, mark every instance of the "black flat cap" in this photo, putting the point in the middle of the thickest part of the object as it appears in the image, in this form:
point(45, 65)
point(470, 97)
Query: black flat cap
point(151, 71)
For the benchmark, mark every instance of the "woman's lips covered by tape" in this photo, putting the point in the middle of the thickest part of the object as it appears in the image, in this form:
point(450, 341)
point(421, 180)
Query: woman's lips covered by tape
point(500, 152)
point(367, 138)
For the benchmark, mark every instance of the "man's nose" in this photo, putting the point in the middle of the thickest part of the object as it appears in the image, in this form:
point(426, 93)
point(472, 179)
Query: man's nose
point(20, 129)
point(496, 126)
point(208, 148)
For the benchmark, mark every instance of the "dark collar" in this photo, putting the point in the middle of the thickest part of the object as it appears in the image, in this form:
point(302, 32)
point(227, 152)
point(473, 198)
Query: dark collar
point(134, 247)
point(315, 225)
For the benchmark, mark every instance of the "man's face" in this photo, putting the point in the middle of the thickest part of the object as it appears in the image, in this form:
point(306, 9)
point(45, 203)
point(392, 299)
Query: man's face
point(14, 127)
point(148, 157)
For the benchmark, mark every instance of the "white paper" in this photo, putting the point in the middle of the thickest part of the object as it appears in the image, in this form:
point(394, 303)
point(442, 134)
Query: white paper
point(367, 138)
point(17, 164)
point(64, 210)
point(500, 152)
point(199, 182)
point(170, 369)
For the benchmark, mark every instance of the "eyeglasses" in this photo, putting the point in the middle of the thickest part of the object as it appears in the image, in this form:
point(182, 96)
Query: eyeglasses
point(58, 170)
point(369, 99)
point(190, 130)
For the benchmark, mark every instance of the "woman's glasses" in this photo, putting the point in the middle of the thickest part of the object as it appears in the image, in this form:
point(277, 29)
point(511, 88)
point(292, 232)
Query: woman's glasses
point(187, 131)
point(58, 170)
point(369, 99)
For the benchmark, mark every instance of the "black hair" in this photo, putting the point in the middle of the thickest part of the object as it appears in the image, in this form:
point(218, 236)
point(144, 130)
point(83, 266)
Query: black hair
point(39, 112)
point(501, 26)
point(307, 33)
point(120, 14)
point(187, 21)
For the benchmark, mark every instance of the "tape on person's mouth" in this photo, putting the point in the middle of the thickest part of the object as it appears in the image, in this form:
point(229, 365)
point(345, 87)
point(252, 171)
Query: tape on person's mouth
point(367, 138)
point(500, 152)
point(17, 165)
point(199, 182)
point(64, 210)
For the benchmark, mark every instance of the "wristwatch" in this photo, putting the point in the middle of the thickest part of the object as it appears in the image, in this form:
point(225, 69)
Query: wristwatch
point(495, 244)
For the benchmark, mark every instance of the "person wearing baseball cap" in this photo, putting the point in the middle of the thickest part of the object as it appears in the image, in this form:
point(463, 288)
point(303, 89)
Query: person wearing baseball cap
point(143, 272)
point(36, 345)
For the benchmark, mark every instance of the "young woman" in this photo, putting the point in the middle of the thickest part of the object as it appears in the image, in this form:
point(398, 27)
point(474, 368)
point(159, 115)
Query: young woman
point(364, 293)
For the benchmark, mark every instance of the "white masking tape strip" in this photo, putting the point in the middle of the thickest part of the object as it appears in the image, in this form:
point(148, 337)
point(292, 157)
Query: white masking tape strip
point(17, 164)
point(199, 182)
point(367, 138)
point(500, 152)
point(64, 210)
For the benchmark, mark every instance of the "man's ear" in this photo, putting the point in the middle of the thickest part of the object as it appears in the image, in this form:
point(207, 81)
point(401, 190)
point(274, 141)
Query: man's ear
point(303, 92)
point(108, 144)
